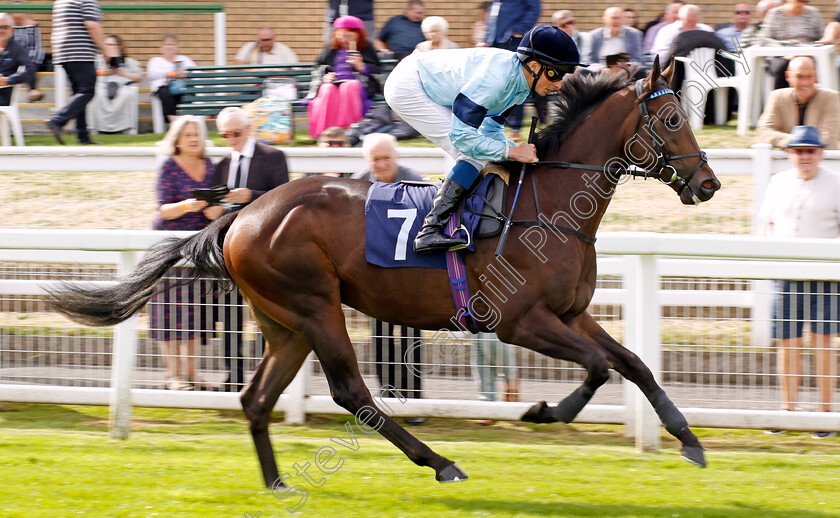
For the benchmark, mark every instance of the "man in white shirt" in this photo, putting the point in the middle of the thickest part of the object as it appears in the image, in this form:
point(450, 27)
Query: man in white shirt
point(804, 202)
point(688, 19)
point(265, 51)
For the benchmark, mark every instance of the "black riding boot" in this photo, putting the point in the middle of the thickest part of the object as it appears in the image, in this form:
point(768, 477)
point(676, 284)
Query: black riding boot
point(431, 238)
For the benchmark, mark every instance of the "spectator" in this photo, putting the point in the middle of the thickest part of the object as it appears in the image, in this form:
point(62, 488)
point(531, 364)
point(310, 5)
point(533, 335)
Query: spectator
point(403, 32)
point(668, 17)
point(507, 22)
point(110, 109)
point(631, 19)
point(344, 92)
point(740, 22)
point(492, 357)
point(265, 51)
point(688, 19)
point(614, 38)
point(802, 104)
point(76, 34)
point(437, 94)
point(332, 137)
point(435, 29)
point(166, 73)
point(251, 170)
point(28, 36)
point(793, 22)
point(804, 202)
point(755, 34)
point(361, 9)
point(12, 57)
point(565, 19)
point(479, 32)
point(380, 153)
point(174, 318)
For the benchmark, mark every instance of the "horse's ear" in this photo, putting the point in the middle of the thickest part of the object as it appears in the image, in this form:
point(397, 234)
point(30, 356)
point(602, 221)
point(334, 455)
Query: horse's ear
point(668, 73)
point(653, 77)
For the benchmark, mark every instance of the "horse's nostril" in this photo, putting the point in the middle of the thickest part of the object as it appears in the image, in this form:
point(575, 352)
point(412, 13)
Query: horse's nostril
point(710, 185)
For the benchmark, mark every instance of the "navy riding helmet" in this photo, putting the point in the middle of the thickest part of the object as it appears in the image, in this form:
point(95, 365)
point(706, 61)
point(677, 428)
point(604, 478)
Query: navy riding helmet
point(551, 47)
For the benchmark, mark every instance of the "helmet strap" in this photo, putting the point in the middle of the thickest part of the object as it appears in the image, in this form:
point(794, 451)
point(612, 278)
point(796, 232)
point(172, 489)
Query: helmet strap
point(536, 77)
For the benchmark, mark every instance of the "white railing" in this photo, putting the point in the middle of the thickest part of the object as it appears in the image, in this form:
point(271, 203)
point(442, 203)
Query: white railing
point(760, 160)
point(641, 259)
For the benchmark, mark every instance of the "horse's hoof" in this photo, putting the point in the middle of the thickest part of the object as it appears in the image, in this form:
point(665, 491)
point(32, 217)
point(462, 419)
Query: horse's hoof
point(539, 413)
point(694, 455)
point(451, 473)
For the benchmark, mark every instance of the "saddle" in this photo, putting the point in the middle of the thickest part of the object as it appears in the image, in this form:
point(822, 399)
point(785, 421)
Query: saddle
point(492, 191)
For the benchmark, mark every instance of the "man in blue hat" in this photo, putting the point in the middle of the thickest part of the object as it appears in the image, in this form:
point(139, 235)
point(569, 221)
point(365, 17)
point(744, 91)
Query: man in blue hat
point(804, 202)
point(459, 99)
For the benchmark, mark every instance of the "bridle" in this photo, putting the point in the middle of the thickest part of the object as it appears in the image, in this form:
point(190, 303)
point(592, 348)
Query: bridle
point(660, 169)
point(662, 154)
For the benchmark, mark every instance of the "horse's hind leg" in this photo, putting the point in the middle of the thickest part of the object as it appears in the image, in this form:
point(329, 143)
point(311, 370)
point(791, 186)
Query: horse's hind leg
point(632, 368)
point(285, 352)
point(328, 336)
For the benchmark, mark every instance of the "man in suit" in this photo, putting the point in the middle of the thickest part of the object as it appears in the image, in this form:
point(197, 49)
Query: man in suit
point(802, 104)
point(251, 170)
point(614, 38)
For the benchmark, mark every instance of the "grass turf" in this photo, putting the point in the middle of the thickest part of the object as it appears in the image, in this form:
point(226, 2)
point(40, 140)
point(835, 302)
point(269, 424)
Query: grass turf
point(58, 461)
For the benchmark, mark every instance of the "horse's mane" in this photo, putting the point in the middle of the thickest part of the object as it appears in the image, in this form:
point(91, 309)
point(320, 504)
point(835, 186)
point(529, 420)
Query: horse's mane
point(580, 94)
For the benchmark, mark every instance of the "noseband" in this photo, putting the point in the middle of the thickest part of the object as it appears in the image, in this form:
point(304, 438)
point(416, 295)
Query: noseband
point(662, 155)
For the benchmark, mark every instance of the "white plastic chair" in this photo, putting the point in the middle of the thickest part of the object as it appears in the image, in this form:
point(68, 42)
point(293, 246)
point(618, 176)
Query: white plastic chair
point(158, 124)
point(10, 118)
point(703, 58)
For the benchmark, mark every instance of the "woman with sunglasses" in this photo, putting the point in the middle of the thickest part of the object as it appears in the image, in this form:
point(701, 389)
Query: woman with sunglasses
point(459, 99)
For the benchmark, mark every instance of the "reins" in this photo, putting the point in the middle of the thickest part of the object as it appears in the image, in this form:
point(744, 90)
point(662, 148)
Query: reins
point(659, 170)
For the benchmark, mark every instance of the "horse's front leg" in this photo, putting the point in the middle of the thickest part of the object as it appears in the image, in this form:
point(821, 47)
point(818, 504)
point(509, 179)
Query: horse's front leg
point(542, 331)
point(631, 367)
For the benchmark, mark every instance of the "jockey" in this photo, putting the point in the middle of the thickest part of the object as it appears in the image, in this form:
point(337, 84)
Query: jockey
point(459, 99)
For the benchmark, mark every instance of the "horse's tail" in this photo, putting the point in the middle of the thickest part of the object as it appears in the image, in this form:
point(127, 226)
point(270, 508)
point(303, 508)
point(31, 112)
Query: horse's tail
point(105, 306)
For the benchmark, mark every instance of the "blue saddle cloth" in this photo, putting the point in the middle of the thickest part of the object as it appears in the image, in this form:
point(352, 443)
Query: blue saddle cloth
point(394, 213)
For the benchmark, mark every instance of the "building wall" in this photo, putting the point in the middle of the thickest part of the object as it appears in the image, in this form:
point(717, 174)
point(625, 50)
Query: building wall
point(299, 23)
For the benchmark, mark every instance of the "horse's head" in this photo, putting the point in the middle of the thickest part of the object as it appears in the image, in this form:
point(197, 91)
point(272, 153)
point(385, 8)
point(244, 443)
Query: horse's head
point(662, 142)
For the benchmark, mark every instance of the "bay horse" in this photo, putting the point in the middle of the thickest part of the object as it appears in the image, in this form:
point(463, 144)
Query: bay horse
point(298, 252)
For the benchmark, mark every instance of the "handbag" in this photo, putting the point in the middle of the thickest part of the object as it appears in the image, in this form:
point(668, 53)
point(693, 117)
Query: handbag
point(177, 86)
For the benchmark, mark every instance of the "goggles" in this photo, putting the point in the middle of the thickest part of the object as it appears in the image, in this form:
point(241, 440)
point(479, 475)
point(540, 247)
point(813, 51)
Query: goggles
point(555, 74)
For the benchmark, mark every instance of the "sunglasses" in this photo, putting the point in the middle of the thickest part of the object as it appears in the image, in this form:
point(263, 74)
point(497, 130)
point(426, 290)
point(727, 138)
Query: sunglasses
point(742, 12)
point(805, 151)
point(556, 74)
point(4, 27)
point(566, 24)
point(336, 143)
point(266, 39)
point(232, 134)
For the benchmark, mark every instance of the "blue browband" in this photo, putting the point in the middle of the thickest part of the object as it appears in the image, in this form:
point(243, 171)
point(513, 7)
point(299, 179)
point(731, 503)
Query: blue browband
point(660, 92)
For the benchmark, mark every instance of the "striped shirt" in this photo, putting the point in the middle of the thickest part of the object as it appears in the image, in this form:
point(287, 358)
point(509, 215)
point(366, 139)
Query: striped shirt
point(71, 40)
point(29, 37)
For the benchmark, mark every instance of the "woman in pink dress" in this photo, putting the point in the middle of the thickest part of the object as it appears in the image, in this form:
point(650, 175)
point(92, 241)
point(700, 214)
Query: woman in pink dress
point(347, 84)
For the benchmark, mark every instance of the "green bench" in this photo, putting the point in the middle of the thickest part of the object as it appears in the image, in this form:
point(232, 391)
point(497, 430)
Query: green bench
point(212, 88)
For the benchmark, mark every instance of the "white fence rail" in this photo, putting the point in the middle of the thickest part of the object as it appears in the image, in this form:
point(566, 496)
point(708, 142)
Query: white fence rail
point(641, 260)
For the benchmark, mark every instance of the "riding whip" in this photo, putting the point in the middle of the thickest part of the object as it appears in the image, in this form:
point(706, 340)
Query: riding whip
point(501, 246)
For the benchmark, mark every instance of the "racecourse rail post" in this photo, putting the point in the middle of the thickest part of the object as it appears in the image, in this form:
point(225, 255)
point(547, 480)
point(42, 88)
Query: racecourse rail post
point(122, 363)
point(295, 408)
point(643, 338)
point(762, 168)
